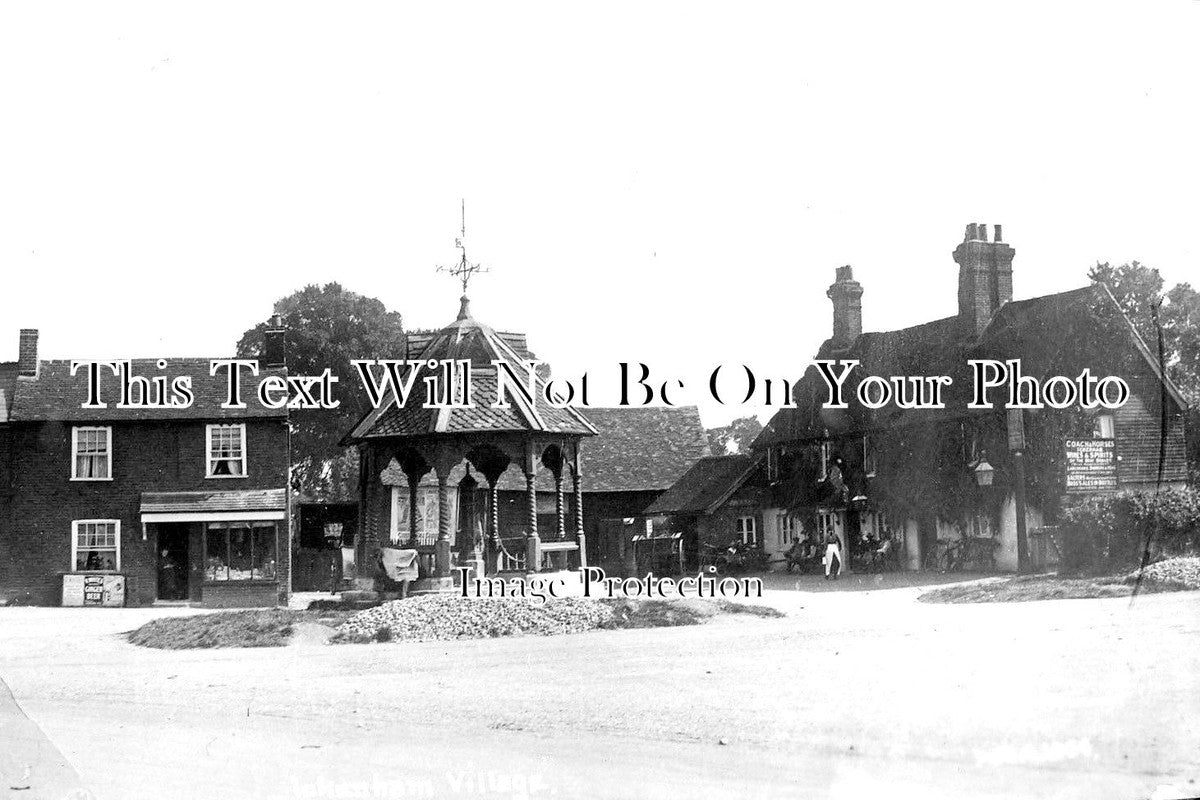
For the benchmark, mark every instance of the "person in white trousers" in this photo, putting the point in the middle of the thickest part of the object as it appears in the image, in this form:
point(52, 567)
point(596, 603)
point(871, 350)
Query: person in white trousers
point(833, 556)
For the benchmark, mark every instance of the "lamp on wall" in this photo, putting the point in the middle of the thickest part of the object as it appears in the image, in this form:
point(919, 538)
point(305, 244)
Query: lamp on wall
point(984, 473)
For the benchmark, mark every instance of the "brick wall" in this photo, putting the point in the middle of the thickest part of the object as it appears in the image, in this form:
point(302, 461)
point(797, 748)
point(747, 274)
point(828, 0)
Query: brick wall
point(35, 531)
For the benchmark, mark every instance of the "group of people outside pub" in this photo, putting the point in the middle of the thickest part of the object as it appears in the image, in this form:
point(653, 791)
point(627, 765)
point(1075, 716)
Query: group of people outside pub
point(830, 549)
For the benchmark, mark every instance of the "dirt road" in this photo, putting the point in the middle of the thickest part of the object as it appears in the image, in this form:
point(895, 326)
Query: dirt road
point(854, 694)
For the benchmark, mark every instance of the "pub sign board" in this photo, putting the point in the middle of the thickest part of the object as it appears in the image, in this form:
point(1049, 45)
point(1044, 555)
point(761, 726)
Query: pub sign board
point(1091, 466)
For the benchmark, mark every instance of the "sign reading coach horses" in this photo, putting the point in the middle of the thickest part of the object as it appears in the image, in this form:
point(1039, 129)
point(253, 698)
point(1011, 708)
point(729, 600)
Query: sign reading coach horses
point(1091, 466)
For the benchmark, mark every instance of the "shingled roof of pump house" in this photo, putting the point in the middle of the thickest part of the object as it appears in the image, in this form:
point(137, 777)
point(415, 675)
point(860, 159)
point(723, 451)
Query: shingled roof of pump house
point(468, 339)
point(1030, 330)
point(637, 449)
point(204, 502)
point(56, 394)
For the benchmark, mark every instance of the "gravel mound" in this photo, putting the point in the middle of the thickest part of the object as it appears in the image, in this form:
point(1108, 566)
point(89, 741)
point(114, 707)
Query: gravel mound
point(436, 617)
point(1172, 573)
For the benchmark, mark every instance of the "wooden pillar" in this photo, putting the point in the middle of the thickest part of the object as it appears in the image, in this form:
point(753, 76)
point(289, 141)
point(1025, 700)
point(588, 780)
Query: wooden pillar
point(493, 539)
point(577, 478)
point(442, 552)
point(560, 506)
point(413, 481)
point(532, 543)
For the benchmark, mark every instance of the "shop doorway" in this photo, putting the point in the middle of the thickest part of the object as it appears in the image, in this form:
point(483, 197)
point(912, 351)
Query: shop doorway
point(172, 560)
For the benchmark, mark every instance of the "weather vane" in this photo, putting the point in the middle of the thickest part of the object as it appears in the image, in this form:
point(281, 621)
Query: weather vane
point(464, 269)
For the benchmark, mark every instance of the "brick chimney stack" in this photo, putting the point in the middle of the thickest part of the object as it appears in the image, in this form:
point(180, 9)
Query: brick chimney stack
point(274, 346)
point(27, 354)
point(846, 294)
point(984, 276)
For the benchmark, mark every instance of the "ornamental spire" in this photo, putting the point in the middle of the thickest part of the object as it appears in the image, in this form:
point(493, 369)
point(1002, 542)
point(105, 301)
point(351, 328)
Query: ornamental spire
point(464, 270)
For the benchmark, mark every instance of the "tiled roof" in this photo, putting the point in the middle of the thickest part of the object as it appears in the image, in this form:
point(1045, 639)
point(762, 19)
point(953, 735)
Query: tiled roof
point(639, 449)
point(705, 486)
point(55, 394)
point(636, 450)
point(239, 500)
point(466, 339)
point(1040, 331)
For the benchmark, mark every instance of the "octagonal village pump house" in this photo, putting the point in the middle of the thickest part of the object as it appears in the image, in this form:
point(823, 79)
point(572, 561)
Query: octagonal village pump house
point(467, 451)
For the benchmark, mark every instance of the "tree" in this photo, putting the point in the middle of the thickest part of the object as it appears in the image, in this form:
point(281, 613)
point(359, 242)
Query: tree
point(736, 437)
point(327, 326)
point(1137, 289)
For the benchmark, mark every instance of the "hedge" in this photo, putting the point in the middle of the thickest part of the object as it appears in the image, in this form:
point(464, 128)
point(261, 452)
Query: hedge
point(1110, 533)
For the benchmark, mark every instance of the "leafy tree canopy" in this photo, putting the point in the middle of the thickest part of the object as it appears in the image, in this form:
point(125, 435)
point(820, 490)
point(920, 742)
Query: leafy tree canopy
point(736, 437)
point(328, 326)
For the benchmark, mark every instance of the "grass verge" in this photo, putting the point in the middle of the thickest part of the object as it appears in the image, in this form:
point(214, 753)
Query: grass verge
point(1028, 588)
point(262, 627)
point(628, 613)
point(1169, 575)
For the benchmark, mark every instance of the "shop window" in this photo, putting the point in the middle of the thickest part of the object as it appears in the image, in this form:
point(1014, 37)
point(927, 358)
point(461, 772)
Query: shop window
point(240, 551)
point(1103, 427)
point(96, 545)
point(91, 454)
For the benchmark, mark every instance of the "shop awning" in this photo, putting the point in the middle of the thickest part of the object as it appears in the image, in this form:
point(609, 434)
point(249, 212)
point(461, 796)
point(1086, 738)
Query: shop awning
point(227, 506)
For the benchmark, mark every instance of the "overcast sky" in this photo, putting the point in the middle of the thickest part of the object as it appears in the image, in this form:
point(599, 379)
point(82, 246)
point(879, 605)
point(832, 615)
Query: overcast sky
point(671, 184)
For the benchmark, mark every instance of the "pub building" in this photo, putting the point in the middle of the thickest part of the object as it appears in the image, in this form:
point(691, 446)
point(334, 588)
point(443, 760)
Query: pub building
point(928, 479)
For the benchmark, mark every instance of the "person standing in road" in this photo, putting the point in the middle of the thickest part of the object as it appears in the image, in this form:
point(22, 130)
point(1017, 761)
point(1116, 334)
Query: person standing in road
point(833, 556)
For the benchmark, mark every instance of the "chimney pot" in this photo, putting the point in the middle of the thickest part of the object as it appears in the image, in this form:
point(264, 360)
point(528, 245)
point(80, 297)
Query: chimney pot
point(274, 353)
point(27, 353)
point(996, 228)
point(846, 294)
point(984, 276)
point(970, 232)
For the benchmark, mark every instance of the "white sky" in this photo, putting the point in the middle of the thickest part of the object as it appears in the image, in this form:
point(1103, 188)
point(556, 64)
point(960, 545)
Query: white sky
point(664, 183)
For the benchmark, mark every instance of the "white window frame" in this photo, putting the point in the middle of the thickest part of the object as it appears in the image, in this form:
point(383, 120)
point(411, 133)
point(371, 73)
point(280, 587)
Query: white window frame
point(1112, 426)
point(75, 541)
point(785, 532)
point(828, 523)
point(75, 431)
point(208, 454)
point(742, 528)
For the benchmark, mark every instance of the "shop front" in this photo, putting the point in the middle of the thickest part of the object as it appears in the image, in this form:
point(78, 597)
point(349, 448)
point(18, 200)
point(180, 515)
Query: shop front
point(219, 549)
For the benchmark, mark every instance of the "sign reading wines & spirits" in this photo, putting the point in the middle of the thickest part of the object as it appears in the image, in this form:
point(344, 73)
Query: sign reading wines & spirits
point(1091, 466)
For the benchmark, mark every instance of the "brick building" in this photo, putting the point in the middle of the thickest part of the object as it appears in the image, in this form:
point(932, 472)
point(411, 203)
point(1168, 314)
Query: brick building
point(911, 473)
point(180, 503)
